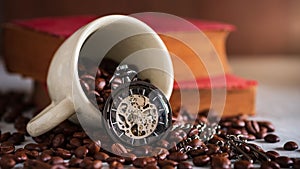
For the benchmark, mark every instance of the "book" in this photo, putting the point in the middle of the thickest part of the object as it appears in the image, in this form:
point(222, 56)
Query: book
point(29, 46)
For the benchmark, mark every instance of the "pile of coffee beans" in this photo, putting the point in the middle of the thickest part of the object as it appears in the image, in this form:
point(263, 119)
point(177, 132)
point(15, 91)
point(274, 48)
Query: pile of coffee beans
point(68, 146)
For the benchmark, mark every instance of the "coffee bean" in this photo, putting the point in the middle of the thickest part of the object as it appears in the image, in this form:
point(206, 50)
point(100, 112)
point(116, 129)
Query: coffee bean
point(201, 160)
point(75, 142)
point(74, 162)
point(93, 148)
point(220, 162)
point(116, 165)
point(56, 160)
point(252, 127)
point(196, 143)
point(139, 162)
point(4, 136)
point(36, 164)
point(198, 152)
point(101, 156)
point(151, 167)
point(20, 156)
point(65, 154)
point(168, 167)
point(272, 154)
point(238, 123)
point(296, 163)
point(58, 166)
point(212, 149)
point(284, 161)
point(270, 165)
point(184, 165)
point(44, 157)
point(81, 152)
point(129, 157)
point(118, 149)
point(7, 163)
point(16, 138)
point(242, 164)
point(271, 138)
point(233, 131)
point(268, 125)
point(163, 163)
point(100, 84)
point(96, 164)
point(112, 159)
point(58, 140)
point(32, 146)
point(6, 148)
point(290, 145)
point(177, 156)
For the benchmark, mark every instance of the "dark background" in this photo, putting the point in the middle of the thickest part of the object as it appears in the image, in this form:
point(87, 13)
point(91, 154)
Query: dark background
point(263, 27)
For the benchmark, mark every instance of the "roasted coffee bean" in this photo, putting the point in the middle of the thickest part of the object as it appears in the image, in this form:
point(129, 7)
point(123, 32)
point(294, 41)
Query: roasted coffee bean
point(151, 167)
point(168, 167)
point(44, 157)
point(75, 142)
point(260, 134)
point(252, 127)
point(6, 148)
point(118, 149)
point(271, 138)
point(163, 163)
point(220, 162)
point(58, 166)
point(129, 157)
point(116, 165)
point(93, 148)
point(251, 137)
point(100, 84)
point(139, 162)
point(56, 160)
point(198, 152)
point(74, 162)
point(284, 161)
point(268, 125)
point(242, 164)
point(81, 152)
point(65, 154)
point(212, 149)
point(96, 164)
point(184, 165)
point(101, 156)
point(86, 162)
point(234, 131)
point(290, 145)
point(112, 159)
point(16, 138)
point(272, 154)
point(296, 163)
point(20, 156)
point(7, 163)
point(196, 143)
point(80, 135)
point(269, 165)
point(238, 123)
point(177, 156)
point(36, 164)
point(32, 146)
point(58, 140)
point(4, 136)
point(201, 160)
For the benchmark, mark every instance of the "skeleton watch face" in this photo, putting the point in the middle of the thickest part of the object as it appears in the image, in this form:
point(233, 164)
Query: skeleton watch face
point(137, 114)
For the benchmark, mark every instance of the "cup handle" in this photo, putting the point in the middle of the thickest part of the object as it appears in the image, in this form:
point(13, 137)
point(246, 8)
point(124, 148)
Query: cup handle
point(50, 117)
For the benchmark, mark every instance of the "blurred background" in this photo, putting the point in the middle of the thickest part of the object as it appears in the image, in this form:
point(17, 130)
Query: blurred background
point(263, 27)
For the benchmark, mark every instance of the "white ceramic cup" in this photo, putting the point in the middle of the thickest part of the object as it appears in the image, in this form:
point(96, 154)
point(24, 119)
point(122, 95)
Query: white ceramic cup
point(115, 37)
